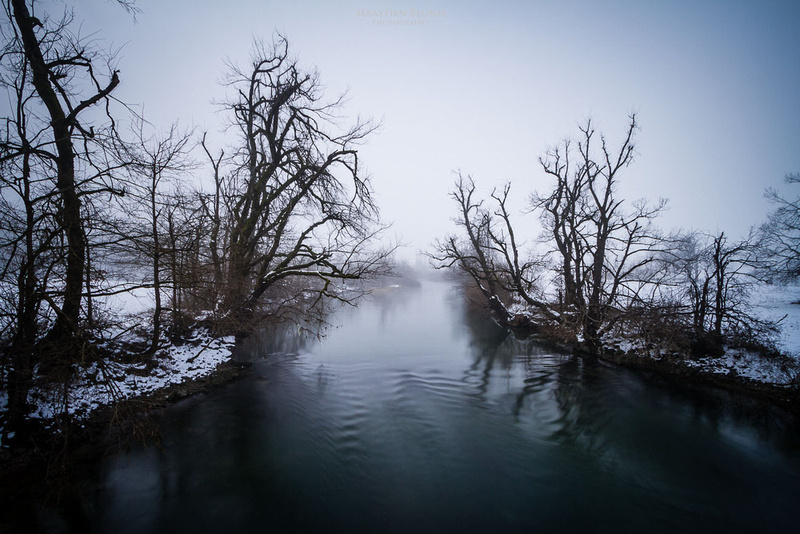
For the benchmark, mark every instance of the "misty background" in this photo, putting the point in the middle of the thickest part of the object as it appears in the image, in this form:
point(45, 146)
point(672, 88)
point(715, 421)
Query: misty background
point(486, 89)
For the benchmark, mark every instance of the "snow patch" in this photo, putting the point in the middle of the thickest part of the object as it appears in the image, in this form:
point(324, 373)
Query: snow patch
point(773, 303)
point(777, 303)
point(96, 385)
point(747, 365)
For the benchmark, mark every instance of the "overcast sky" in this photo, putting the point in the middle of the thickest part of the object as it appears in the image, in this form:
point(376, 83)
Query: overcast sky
point(486, 88)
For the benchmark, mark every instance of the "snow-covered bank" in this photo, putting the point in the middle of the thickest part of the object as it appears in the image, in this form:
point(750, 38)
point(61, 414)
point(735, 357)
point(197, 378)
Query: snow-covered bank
point(749, 366)
point(776, 304)
point(774, 375)
point(95, 385)
point(105, 383)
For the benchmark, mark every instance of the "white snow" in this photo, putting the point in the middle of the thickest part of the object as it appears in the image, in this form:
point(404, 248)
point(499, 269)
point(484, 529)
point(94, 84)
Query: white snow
point(96, 385)
point(775, 303)
point(748, 365)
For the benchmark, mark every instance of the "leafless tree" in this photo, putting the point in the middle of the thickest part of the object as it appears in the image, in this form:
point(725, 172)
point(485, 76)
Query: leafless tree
point(603, 245)
point(59, 87)
point(27, 241)
point(156, 164)
point(700, 300)
point(714, 280)
point(214, 209)
point(472, 255)
point(780, 235)
point(562, 212)
point(185, 236)
point(490, 254)
point(299, 203)
point(56, 59)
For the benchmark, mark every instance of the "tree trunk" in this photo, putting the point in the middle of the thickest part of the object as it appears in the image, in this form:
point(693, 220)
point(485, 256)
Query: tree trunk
point(594, 310)
point(156, 263)
point(20, 376)
point(719, 300)
point(70, 212)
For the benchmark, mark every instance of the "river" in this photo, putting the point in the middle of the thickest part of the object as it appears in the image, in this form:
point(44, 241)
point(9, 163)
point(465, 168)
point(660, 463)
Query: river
point(410, 416)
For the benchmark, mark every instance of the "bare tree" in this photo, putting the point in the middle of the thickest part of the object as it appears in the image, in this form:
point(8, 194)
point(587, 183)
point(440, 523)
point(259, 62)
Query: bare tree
point(156, 163)
point(213, 206)
point(473, 255)
point(604, 246)
point(27, 239)
point(706, 282)
point(490, 254)
point(55, 59)
point(52, 167)
point(780, 235)
point(691, 259)
point(186, 257)
point(562, 213)
point(300, 205)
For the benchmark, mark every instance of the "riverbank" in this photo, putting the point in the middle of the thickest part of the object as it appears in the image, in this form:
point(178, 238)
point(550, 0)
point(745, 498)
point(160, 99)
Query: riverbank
point(712, 372)
point(772, 375)
point(775, 379)
point(107, 403)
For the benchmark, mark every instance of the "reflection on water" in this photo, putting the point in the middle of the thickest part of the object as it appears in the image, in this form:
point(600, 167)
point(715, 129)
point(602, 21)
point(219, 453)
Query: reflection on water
point(410, 416)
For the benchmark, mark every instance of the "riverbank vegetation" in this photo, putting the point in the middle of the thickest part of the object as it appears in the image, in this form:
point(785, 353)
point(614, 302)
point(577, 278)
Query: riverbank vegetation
point(99, 208)
point(598, 273)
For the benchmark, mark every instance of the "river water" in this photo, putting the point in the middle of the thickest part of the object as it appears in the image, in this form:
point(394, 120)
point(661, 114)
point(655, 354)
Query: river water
point(410, 416)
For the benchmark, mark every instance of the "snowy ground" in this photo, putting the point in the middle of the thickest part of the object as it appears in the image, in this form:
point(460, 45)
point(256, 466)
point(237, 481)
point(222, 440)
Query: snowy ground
point(748, 365)
point(775, 303)
point(97, 385)
point(779, 303)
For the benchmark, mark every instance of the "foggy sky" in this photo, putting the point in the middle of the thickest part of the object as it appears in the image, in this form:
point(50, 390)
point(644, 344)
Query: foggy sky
point(486, 88)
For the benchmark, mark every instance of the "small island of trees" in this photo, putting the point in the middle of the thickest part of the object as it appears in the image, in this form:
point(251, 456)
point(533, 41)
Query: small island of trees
point(602, 277)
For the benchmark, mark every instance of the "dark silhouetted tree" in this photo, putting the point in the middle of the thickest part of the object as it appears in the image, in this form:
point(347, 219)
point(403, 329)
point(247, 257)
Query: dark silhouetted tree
point(604, 246)
point(298, 201)
point(156, 163)
point(53, 164)
point(488, 253)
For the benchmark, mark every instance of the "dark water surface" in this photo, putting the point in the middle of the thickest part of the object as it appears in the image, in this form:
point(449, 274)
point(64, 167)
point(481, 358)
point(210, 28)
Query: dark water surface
point(411, 418)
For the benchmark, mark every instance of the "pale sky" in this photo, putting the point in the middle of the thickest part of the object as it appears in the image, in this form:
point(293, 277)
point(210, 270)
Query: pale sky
point(486, 88)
